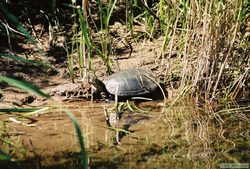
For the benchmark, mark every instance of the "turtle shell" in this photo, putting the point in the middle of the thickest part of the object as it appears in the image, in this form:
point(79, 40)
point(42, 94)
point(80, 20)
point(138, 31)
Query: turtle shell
point(131, 82)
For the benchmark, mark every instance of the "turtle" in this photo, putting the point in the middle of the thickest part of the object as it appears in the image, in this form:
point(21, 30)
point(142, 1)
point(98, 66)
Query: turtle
point(133, 82)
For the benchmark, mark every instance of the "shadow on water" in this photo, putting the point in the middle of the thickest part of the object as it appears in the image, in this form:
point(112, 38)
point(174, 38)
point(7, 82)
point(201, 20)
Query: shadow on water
point(183, 135)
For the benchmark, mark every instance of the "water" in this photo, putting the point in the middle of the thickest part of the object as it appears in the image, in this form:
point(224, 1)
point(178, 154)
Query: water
point(183, 135)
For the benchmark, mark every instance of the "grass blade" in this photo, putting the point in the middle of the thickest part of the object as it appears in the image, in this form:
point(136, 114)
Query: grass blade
point(110, 11)
point(80, 138)
point(23, 110)
point(24, 86)
point(17, 58)
point(4, 156)
point(84, 28)
point(14, 21)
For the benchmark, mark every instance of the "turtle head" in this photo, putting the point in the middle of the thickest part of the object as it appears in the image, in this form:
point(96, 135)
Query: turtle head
point(98, 84)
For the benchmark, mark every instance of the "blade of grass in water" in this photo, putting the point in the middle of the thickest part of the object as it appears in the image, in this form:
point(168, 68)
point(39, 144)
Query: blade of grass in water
point(80, 138)
point(24, 86)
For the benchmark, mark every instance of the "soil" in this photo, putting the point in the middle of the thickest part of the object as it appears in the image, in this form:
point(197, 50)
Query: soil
point(55, 80)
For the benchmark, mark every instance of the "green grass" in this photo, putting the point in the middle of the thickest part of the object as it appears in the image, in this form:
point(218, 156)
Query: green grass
point(80, 139)
point(24, 60)
point(14, 21)
point(24, 86)
point(207, 37)
point(82, 41)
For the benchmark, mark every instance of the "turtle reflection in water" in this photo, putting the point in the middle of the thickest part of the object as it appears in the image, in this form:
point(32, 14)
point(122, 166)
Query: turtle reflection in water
point(128, 83)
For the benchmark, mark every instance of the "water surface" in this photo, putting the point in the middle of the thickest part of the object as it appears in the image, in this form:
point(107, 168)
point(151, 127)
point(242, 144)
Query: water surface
point(183, 135)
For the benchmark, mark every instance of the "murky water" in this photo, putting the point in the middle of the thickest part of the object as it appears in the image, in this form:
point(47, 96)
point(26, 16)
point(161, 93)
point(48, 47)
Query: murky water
point(180, 136)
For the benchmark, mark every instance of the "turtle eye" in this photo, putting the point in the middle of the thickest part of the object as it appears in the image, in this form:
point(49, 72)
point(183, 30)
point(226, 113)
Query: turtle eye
point(97, 81)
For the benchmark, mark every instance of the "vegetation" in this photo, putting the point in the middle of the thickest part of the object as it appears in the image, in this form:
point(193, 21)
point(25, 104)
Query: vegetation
point(204, 50)
point(31, 111)
point(206, 37)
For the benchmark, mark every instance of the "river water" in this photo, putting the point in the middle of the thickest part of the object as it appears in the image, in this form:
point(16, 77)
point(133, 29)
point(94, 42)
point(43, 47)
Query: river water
point(178, 135)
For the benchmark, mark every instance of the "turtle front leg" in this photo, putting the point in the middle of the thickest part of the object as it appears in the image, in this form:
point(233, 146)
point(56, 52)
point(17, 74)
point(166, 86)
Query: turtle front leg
point(107, 119)
point(114, 120)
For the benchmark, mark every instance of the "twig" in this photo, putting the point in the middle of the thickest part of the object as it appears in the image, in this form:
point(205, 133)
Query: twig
point(22, 123)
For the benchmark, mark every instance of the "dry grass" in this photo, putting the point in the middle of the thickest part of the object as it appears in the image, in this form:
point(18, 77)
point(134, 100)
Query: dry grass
point(212, 48)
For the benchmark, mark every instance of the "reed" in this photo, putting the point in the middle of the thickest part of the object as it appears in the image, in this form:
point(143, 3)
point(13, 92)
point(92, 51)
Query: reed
point(79, 43)
point(211, 62)
point(82, 42)
point(105, 13)
point(208, 37)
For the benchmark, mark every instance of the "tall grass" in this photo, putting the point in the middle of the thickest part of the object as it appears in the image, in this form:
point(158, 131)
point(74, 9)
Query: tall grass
point(208, 37)
point(210, 43)
point(79, 41)
point(82, 41)
point(24, 60)
point(105, 13)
